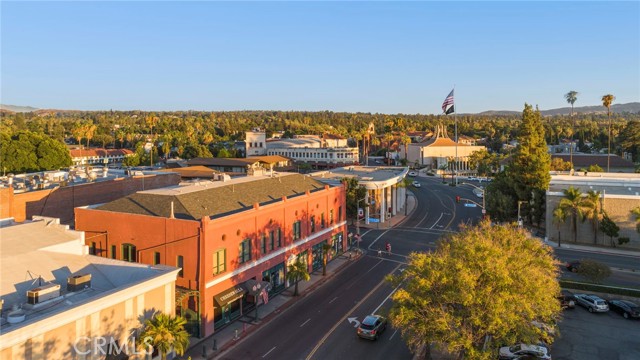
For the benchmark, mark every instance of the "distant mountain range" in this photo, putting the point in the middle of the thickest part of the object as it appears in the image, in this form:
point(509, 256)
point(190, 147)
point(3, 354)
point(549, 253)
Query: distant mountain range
point(633, 107)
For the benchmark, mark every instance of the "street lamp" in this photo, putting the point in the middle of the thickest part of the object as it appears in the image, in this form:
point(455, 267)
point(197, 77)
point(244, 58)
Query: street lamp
point(358, 222)
point(519, 218)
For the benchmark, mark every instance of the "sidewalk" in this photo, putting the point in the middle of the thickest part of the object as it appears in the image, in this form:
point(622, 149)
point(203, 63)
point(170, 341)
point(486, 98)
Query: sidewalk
point(595, 249)
point(235, 332)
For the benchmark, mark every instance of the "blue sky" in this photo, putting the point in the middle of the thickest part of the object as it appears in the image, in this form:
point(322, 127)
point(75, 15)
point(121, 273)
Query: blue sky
point(386, 57)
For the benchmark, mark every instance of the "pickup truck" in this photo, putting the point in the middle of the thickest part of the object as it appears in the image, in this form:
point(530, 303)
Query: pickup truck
point(592, 302)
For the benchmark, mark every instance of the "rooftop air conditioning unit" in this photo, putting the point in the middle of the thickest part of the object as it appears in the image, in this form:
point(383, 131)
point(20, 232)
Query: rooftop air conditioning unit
point(78, 282)
point(43, 293)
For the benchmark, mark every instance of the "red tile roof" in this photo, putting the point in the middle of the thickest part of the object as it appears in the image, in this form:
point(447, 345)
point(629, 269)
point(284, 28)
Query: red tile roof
point(76, 153)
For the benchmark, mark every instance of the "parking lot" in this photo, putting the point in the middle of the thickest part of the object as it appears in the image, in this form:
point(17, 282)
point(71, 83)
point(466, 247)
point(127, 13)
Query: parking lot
point(599, 336)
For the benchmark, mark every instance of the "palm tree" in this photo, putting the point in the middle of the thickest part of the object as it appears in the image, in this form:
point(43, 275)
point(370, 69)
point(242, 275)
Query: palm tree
point(636, 213)
point(559, 217)
point(326, 248)
point(571, 97)
point(572, 206)
point(296, 272)
point(165, 333)
point(606, 102)
point(592, 211)
point(406, 140)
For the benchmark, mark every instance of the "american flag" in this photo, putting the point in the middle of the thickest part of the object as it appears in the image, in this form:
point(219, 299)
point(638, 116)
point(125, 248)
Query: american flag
point(447, 105)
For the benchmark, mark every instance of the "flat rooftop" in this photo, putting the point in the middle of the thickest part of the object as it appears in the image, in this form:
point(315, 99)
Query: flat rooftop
point(368, 176)
point(39, 252)
point(607, 183)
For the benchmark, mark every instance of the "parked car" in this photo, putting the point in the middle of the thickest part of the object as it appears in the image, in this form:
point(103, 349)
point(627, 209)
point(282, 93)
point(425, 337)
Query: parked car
point(593, 303)
point(573, 266)
point(566, 299)
point(416, 184)
point(626, 308)
point(413, 173)
point(372, 326)
point(519, 350)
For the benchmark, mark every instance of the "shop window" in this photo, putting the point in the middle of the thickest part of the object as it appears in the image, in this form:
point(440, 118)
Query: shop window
point(313, 224)
point(219, 261)
point(129, 252)
point(180, 264)
point(297, 233)
point(244, 251)
point(156, 258)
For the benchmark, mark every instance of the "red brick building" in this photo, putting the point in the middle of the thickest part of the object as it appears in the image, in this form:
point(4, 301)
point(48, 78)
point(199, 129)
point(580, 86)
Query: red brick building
point(222, 234)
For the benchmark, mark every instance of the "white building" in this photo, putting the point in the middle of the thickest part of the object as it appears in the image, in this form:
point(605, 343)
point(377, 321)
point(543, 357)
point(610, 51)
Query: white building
point(328, 151)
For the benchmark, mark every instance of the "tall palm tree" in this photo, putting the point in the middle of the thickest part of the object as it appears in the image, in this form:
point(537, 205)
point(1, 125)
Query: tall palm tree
point(559, 218)
point(571, 97)
point(592, 211)
point(572, 206)
point(165, 333)
point(607, 100)
point(296, 272)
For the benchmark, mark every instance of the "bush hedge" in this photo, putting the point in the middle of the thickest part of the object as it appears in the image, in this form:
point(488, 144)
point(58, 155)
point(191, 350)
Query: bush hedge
point(600, 288)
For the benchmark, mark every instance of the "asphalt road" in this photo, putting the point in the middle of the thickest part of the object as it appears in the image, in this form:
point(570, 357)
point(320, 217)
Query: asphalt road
point(322, 325)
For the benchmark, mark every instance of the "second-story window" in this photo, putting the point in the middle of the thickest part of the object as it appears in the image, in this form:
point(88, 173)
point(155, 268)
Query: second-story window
point(312, 224)
point(244, 251)
point(330, 216)
point(219, 261)
point(322, 222)
point(263, 244)
point(297, 233)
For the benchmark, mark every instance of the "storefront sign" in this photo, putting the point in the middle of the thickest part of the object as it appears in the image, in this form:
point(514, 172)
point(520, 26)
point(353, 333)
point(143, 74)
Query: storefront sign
point(230, 295)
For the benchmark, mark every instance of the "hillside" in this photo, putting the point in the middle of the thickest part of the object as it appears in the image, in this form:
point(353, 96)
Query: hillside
point(15, 108)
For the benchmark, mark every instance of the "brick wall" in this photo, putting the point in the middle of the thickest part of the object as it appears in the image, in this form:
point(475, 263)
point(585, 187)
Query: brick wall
point(6, 203)
point(60, 202)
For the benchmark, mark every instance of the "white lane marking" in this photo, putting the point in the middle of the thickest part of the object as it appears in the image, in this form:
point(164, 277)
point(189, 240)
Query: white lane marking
point(265, 355)
point(385, 299)
point(394, 334)
point(332, 300)
point(304, 323)
point(354, 320)
point(441, 214)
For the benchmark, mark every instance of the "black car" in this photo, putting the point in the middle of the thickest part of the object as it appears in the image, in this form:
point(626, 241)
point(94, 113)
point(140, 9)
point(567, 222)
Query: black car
point(372, 326)
point(567, 301)
point(628, 309)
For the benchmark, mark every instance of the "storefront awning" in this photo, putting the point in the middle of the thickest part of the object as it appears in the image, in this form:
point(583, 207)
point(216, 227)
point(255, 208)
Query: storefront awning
point(230, 295)
point(254, 288)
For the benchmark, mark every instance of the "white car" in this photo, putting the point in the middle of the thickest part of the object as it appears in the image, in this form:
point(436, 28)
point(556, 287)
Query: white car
point(513, 352)
point(413, 173)
point(415, 184)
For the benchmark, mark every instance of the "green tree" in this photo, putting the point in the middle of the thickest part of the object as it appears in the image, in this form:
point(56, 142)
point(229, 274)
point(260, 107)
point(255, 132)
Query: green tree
point(475, 286)
point(595, 168)
point(557, 164)
point(572, 206)
point(636, 212)
point(26, 151)
point(609, 228)
point(165, 333)
point(592, 210)
point(594, 271)
point(500, 198)
point(296, 272)
point(355, 193)
point(630, 139)
point(192, 151)
point(607, 100)
point(326, 250)
point(531, 163)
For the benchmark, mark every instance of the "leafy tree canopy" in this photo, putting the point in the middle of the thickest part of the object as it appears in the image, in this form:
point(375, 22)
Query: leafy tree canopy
point(26, 151)
point(484, 281)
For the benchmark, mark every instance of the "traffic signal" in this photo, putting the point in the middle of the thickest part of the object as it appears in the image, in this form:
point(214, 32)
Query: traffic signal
point(457, 198)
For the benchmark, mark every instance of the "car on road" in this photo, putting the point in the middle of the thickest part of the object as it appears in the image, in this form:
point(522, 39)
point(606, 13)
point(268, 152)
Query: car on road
point(519, 350)
point(413, 173)
point(372, 326)
point(566, 299)
point(573, 266)
point(626, 308)
point(593, 303)
point(415, 184)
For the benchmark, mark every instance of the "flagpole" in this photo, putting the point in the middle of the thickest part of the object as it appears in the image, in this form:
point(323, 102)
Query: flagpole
point(455, 120)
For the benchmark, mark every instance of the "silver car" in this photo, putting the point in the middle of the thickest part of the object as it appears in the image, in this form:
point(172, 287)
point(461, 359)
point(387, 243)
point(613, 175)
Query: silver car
point(593, 303)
